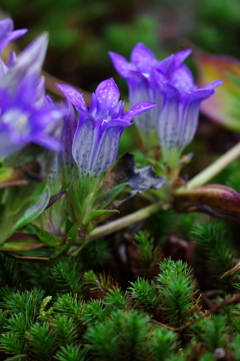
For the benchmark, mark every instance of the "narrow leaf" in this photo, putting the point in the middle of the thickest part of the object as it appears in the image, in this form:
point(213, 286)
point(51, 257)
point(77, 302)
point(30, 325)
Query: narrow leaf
point(96, 214)
point(104, 199)
point(49, 239)
point(38, 206)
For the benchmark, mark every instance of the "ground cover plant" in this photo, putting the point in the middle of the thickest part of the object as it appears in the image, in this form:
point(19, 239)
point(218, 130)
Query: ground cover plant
point(117, 255)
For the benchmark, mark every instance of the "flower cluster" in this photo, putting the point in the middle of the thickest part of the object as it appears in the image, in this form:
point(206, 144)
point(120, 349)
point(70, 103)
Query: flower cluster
point(170, 84)
point(26, 115)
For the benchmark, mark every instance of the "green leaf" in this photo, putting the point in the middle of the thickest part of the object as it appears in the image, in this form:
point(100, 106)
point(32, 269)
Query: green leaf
point(104, 199)
point(39, 203)
point(97, 213)
point(51, 240)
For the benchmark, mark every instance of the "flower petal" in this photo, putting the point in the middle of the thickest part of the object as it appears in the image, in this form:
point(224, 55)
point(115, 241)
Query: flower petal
point(182, 79)
point(29, 62)
point(107, 149)
point(73, 95)
point(181, 56)
point(168, 124)
point(107, 94)
point(83, 143)
point(189, 113)
point(121, 65)
point(68, 131)
point(143, 58)
point(138, 109)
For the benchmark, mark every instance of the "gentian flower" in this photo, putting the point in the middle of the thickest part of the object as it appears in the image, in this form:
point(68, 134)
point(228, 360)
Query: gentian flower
point(95, 138)
point(26, 116)
point(7, 34)
point(170, 84)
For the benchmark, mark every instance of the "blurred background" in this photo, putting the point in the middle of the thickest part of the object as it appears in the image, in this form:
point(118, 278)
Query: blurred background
point(83, 31)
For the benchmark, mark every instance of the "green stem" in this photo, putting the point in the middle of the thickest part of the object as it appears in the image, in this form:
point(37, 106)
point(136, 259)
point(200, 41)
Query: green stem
point(124, 221)
point(215, 168)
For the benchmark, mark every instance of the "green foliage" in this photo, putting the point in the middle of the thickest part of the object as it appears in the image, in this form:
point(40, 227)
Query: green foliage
point(160, 224)
point(38, 276)
point(71, 353)
point(42, 340)
point(117, 299)
point(211, 332)
point(27, 302)
point(146, 295)
point(148, 255)
point(123, 337)
point(177, 288)
point(10, 272)
point(214, 241)
point(235, 345)
point(95, 254)
point(163, 343)
point(65, 330)
point(11, 344)
point(102, 340)
point(68, 304)
point(67, 273)
point(93, 312)
point(98, 285)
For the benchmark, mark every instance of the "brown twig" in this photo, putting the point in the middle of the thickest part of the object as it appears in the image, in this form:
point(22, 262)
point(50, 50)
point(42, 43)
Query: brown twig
point(219, 306)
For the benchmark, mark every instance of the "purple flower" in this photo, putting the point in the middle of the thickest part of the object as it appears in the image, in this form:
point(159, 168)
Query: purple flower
point(26, 115)
point(178, 118)
point(96, 139)
point(7, 34)
point(170, 84)
point(21, 122)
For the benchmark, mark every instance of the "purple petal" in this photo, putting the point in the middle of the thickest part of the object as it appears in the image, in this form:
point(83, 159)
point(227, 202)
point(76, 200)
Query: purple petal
point(47, 141)
point(107, 149)
point(3, 68)
point(73, 95)
point(138, 88)
point(143, 58)
point(138, 109)
point(181, 56)
point(12, 36)
point(165, 64)
point(168, 124)
point(159, 77)
point(214, 84)
point(107, 95)
point(12, 58)
point(69, 129)
point(29, 62)
point(6, 26)
point(189, 113)
point(83, 143)
point(182, 79)
point(121, 65)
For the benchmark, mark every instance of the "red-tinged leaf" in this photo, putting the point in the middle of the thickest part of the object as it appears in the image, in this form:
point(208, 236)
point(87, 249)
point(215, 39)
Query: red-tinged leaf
point(214, 199)
point(54, 198)
point(224, 105)
point(27, 259)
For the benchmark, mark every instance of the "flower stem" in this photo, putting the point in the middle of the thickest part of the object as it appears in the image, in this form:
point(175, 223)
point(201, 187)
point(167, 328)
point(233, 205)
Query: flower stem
point(215, 168)
point(124, 221)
